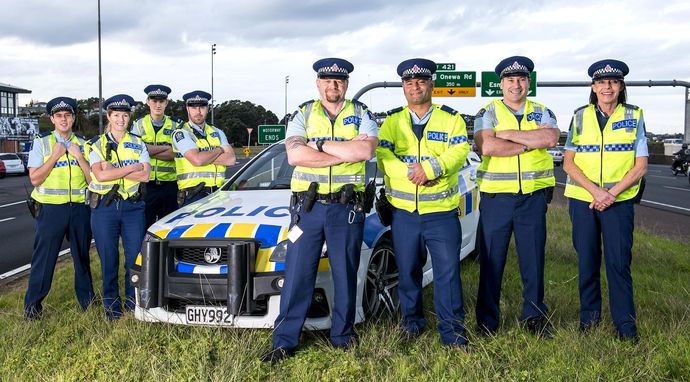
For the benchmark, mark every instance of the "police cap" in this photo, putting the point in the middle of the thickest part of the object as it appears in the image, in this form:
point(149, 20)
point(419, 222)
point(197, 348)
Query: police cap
point(61, 104)
point(332, 67)
point(197, 98)
point(120, 102)
point(608, 69)
point(157, 91)
point(416, 68)
point(514, 66)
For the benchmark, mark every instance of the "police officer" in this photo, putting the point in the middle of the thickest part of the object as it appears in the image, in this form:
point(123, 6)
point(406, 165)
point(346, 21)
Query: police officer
point(119, 164)
point(516, 181)
point(59, 172)
point(202, 152)
point(156, 130)
point(605, 158)
point(422, 148)
point(329, 141)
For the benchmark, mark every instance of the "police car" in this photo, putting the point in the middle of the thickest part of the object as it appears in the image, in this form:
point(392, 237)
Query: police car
point(220, 261)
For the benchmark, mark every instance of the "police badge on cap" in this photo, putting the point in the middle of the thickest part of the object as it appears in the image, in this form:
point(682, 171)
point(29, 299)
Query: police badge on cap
point(333, 68)
point(196, 98)
point(514, 66)
point(120, 102)
point(416, 68)
point(159, 92)
point(604, 69)
point(61, 104)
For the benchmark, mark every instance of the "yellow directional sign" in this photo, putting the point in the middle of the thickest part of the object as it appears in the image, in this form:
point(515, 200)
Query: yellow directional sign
point(455, 92)
point(247, 150)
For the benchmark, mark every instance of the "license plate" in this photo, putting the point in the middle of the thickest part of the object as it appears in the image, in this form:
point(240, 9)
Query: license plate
point(213, 315)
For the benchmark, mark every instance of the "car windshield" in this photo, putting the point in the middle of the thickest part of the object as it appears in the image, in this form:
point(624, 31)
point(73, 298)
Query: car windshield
point(271, 170)
point(8, 157)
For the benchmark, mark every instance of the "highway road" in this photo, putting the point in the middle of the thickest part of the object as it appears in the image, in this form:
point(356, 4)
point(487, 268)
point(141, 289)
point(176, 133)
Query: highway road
point(664, 193)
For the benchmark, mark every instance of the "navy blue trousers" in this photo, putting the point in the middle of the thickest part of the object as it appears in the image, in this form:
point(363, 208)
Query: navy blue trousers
point(125, 219)
point(329, 222)
point(161, 200)
point(441, 234)
point(613, 228)
point(53, 223)
point(500, 217)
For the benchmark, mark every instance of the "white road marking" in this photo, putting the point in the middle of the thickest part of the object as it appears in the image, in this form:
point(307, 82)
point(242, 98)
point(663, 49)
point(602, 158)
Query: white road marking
point(678, 188)
point(7, 219)
point(28, 266)
point(665, 205)
point(12, 204)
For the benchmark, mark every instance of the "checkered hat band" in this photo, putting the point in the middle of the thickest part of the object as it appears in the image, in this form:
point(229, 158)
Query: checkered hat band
point(122, 103)
point(332, 69)
point(197, 99)
point(60, 107)
point(415, 70)
point(606, 71)
point(515, 68)
point(158, 93)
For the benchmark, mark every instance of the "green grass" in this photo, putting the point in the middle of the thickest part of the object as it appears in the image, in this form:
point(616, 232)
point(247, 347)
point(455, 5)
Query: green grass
point(70, 345)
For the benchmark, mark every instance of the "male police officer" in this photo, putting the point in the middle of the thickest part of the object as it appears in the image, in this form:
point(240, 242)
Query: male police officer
point(422, 148)
point(329, 141)
point(156, 130)
point(202, 152)
point(516, 180)
point(60, 174)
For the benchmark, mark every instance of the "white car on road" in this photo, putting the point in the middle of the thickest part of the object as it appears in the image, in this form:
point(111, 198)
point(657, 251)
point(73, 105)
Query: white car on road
point(220, 261)
point(13, 163)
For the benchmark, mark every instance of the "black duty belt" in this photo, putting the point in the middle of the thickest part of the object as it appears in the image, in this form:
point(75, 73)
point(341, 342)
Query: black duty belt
point(204, 189)
point(334, 197)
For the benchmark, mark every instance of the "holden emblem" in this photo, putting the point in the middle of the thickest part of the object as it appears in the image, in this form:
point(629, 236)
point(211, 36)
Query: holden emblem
point(212, 255)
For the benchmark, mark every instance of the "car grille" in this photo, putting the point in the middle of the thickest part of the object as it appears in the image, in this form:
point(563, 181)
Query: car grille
point(194, 255)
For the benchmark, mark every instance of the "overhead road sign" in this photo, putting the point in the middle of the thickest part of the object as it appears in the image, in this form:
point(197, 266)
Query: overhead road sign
point(455, 84)
point(440, 67)
point(271, 134)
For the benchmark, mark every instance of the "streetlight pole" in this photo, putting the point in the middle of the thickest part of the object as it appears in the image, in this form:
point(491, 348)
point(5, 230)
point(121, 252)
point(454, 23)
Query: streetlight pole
point(213, 53)
point(287, 79)
point(100, 77)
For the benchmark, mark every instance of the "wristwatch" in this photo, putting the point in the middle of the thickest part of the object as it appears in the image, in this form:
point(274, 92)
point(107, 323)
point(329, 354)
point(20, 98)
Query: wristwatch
point(319, 144)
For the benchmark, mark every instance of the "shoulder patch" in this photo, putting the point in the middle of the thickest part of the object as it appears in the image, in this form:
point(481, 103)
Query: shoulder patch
point(44, 134)
point(448, 110)
point(179, 135)
point(480, 113)
point(93, 140)
point(303, 104)
point(396, 110)
point(580, 108)
point(629, 106)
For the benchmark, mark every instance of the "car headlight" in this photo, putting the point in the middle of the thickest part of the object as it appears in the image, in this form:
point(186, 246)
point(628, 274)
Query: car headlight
point(279, 253)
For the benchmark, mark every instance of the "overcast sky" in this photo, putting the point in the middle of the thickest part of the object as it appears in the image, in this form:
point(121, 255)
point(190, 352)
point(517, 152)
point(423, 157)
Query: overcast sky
point(52, 48)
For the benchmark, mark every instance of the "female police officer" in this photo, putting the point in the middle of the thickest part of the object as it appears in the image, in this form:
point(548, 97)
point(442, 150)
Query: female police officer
point(119, 162)
point(606, 155)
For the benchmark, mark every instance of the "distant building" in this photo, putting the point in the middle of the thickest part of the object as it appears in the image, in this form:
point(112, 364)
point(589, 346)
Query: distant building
point(15, 132)
point(8, 99)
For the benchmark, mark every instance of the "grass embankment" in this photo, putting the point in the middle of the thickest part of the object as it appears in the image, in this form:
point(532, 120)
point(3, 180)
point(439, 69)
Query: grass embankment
point(70, 345)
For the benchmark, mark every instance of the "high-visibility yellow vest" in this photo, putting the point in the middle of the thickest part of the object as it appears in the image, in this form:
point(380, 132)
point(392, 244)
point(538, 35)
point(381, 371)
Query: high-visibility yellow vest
point(526, 172)
point(441, 151)
point(344, 128)
point(66, 182)
point(128, 152)
point(161, 170)
point(604, 156)
point(188, 175)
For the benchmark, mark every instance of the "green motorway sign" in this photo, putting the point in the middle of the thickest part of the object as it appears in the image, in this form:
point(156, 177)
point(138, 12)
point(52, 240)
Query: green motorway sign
point(490, 85)
point(445, 66)
point(271, 133)
point(455, 79)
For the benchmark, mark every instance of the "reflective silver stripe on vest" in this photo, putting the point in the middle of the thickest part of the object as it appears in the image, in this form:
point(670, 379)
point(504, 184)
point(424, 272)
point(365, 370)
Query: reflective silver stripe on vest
point(497, 175)
point(628, 113)
point(574, 183)
point(579, 117)
point(165, 169)
point(439, 195)
point(422, 197)
point(100, 187)
point(133, 189)
point(436, 167)
point(307, 177)
point(58, 191)
point(307, 111)
point(532, 175)
point(194, 175)
point(538, 109)
point(610, 185)
point(491, 109)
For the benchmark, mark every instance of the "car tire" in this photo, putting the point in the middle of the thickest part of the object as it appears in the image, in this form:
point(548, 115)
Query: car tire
point(380, 298)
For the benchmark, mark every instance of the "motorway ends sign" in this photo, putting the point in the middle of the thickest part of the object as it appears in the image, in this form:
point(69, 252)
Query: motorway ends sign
point(271, 134)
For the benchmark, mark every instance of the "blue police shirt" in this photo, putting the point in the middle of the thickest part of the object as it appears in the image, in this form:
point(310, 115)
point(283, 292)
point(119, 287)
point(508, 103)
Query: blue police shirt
point(639, 144)
point(296, 126)
point(95, 158)
point(187, 143)
point(485, 123)
point(36, 154)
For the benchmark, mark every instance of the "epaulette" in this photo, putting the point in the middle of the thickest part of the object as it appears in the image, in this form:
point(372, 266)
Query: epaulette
point(80, 136)
point(358, 102)
point(306, 103)
point(448, 110)
point(629, 106)
point(93, 140)
point(481, 112)
point(44, 134)
point(293, 115)
point(396, 110)
point(175, 119)
point(580, 108)
point(136, 135)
